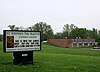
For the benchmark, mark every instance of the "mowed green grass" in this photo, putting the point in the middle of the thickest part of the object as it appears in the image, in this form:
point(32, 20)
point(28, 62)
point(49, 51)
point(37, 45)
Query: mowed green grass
point(55, 59)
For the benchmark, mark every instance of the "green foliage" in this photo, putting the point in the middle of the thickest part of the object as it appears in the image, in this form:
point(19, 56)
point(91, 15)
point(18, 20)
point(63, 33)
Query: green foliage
point(46, 30)
point(78, 32)
point(99, 32)
point(0, 37)
point(65, 34)
point(58, 35)
point(13, 27)
point(98, 40)
point(67, 29)
point(55, 59)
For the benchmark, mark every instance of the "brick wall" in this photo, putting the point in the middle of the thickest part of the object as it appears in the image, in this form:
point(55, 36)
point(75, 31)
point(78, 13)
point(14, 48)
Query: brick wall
point(72, 42)
point(61, 42)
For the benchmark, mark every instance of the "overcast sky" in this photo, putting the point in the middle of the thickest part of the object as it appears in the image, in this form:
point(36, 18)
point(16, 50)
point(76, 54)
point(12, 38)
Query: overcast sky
point(57, 13)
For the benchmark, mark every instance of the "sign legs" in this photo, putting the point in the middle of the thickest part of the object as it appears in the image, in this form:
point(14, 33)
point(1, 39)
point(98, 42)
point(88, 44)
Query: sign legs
point(23, 57)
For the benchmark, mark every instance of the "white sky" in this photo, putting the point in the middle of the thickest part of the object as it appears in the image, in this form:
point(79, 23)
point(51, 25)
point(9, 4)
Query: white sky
point(57, 13)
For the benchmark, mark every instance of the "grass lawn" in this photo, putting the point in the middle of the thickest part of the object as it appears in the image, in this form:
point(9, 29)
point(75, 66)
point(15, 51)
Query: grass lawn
point(55, 59)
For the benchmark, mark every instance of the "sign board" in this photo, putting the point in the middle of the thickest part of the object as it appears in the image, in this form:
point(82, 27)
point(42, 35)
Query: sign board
point(16, 40)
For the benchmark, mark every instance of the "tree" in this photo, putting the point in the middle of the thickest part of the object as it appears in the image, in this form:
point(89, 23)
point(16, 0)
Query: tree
point(13, 27)
point(94, 33)
point(65, 34)
point(67, 30)
point(29, 29)
point(78, 32)
point(99, 32)
point(88, 34)
point(58, 35)
point(98, 40)
point(46, 30)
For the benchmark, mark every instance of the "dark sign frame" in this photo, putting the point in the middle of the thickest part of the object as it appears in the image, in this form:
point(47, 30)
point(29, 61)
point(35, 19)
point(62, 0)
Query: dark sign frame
point(5, 41)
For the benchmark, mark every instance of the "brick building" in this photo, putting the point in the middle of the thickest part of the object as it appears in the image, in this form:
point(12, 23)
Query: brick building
point(72, 42)
point(60, 42)
point(83, 42)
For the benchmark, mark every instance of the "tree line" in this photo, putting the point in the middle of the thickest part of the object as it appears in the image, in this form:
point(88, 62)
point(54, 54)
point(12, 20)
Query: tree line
point(69, 31)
